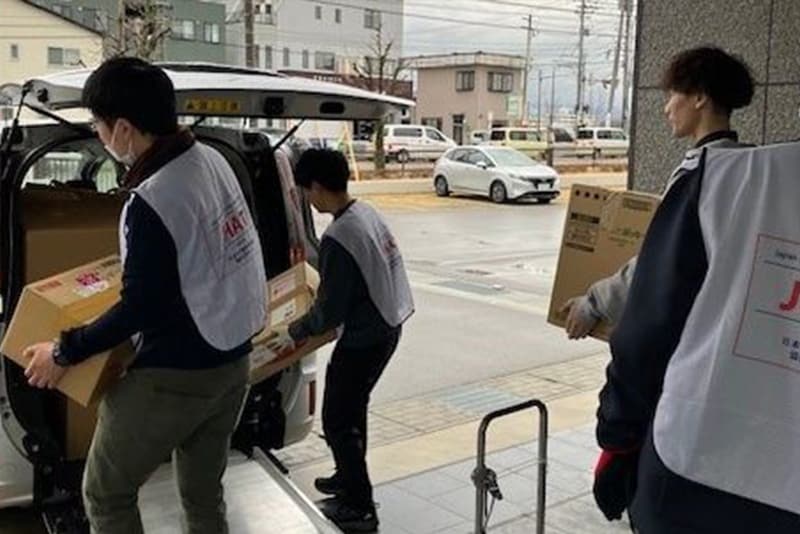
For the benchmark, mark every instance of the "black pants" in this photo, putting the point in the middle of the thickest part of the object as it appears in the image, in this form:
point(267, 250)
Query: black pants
point(666, 503)
point(351, 377)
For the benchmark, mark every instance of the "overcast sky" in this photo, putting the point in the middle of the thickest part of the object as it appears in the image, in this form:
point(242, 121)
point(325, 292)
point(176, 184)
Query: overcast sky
point(498, 26)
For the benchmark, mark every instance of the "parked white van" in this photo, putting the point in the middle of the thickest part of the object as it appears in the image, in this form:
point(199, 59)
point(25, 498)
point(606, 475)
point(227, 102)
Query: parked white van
point(600, 142)
point(404, 142)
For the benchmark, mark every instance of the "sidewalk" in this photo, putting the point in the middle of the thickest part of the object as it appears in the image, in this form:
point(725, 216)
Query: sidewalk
point(423, 453)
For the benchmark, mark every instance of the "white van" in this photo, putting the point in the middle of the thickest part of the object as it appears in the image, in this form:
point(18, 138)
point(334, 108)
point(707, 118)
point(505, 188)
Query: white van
point(404, 142)
point(600, 142)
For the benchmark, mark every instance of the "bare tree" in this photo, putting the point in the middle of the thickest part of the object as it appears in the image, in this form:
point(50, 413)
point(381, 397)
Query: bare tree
point(142, 28)
point(379, 73)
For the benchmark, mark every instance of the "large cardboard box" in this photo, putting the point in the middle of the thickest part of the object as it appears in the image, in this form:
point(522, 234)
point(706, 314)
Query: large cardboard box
point(66, 228)
point(603, 230)
point(67, 300)
point(291, 295)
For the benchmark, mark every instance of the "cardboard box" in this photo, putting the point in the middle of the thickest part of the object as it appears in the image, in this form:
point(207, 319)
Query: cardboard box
point(290, 295)
point(63, 229)
point(66, 228)
point(603, 230)
point(70, 299)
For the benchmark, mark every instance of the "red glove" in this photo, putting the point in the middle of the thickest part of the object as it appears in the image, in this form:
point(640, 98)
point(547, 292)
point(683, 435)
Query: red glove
point(615, 482)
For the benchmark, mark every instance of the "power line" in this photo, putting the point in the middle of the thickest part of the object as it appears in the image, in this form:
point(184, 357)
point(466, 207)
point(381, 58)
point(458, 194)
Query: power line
point(448, 19)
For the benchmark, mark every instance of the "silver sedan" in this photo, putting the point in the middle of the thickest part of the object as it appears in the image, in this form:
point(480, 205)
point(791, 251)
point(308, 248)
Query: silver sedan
point(500, 173)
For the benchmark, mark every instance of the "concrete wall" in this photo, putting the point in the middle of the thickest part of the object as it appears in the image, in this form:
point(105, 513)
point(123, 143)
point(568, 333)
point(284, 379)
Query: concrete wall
point(765, 33)
point(437, 98)
point(32, 31)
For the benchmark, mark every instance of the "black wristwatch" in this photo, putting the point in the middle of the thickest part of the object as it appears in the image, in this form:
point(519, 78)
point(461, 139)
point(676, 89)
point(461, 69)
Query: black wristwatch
point(58, 356)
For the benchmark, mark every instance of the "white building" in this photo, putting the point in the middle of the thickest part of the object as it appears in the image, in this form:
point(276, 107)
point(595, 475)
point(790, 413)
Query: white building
point(320, 36)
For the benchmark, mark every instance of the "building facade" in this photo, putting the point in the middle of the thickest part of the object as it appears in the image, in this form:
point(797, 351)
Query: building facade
point(325, 37)
point(37, 41)
point(197, 28)
point(460, 93)
point(765, 33)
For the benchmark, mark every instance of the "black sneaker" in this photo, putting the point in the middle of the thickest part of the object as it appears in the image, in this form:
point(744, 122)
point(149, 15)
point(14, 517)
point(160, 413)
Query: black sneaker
point(329, 485)
point(352, 519)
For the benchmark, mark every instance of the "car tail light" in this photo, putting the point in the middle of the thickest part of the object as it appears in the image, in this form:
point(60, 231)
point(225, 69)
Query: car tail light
point(312, 397)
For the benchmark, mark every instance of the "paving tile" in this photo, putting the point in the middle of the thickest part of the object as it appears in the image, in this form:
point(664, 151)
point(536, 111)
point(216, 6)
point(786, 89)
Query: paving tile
point(431, 484)
point(462, 502)
point(419, 516)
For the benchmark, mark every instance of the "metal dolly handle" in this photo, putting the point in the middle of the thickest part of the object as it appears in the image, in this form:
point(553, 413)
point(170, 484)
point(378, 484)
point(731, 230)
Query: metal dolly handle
point(485, 479)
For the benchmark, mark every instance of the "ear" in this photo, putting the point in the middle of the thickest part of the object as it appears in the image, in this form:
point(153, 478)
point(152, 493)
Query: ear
point(700, 100)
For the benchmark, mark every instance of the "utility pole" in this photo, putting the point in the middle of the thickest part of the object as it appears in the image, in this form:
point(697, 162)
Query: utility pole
point(582, 30)
point(552, 96)
point(626, 78)
point(615, 72)
point(249, 34)
point(539, 103)
point(524, 110)
point(121, 26)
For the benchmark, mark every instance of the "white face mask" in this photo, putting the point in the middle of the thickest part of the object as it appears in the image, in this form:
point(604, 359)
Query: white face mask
point(127, 159)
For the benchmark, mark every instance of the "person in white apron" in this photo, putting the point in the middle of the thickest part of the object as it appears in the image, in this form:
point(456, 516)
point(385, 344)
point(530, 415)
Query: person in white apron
point(364, 293)
point(193, 295)
point(699, 108)
point(703, 384)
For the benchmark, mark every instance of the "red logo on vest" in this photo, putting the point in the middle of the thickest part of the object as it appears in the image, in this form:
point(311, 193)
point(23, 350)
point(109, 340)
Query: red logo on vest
point(234, 225)
point(794, 299)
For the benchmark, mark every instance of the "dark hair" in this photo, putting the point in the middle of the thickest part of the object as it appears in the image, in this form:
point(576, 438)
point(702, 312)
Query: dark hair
point(724, 78)
point(132, 89)
point(324, 166)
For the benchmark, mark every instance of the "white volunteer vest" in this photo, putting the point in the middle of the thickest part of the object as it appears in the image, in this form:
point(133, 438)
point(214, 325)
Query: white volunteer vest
point(220, 263)
point(729, 414)
point(364, 234)
point(692, 158)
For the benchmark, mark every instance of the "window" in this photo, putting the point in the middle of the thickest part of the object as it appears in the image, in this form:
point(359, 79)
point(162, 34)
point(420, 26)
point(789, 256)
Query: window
point(324, 61)
point(435, 122)
point(603, 134)
point(318, 12)
point(183, 29)
point(524, 135)
point(476, 157)
point(267, 57)
point(305, 59)
point(465, 80)
point(63, 10)
point(458, 154)
point(211, 33)
point(562, 136)
point(498, 135)
point(619, 136)
point(585, 134)
point(263, 12)
point(501, 82)
point(256, 56)
point(90, 18)
point(63, 56)
point(433, 134)
point(408, 132)
point(372, 19)
point(13, 52)
point(338, 16)
point(286, 58)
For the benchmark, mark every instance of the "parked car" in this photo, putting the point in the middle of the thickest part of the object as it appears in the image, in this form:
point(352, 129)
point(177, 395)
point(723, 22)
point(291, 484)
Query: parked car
point(500, 173)
point(529, 141)
point(600, 142)
point(404, 142)
point(54, 157)
point(478, 137)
